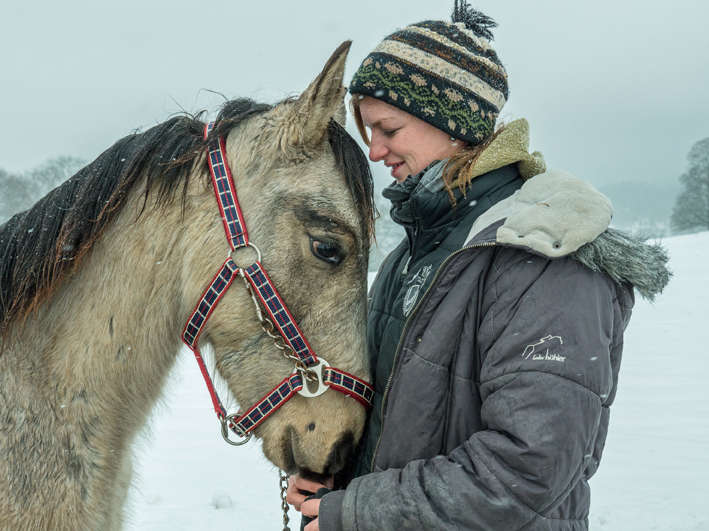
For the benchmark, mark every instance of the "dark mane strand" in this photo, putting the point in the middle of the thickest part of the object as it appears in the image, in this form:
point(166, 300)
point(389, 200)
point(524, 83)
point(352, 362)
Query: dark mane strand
point(41, 247)
point(358, 176)
point(235, 112)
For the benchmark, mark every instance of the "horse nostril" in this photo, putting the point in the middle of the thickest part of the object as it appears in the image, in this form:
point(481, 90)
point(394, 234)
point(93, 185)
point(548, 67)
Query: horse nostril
point(311, 426)
point(340, 453)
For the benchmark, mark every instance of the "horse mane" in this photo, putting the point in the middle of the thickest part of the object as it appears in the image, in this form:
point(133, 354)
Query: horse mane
point(41, 247)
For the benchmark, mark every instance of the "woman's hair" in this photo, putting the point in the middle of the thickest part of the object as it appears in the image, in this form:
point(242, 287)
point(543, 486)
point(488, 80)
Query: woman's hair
point(461, 165)
point(355, 102)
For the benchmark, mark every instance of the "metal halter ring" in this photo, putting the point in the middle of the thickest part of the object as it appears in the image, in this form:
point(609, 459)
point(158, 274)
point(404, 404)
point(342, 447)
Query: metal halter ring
point(249, 244)
point(225, 431)
point(317, 369)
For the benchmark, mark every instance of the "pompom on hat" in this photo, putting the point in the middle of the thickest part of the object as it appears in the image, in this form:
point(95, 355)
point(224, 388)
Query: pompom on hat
point(445, 73)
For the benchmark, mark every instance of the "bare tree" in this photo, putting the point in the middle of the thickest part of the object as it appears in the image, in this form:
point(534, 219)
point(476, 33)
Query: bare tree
point(691, 211)
point(19, 192)
point(51, 174)
point(14, 194)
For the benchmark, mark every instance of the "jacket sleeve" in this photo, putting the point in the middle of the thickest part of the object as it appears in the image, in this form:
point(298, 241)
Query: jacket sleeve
point(545, 339)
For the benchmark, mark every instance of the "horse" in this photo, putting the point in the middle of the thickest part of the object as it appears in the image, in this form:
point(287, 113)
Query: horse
point(99, 277)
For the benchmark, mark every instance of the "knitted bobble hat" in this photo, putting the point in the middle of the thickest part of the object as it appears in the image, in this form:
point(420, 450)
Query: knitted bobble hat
point(446, 74)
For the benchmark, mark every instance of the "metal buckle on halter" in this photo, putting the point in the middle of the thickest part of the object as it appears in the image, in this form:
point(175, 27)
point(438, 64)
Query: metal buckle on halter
point(312, 375)
point(225, 430)
point(248, 244)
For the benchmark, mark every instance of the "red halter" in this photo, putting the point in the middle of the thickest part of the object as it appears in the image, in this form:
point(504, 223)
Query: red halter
point(289, 338)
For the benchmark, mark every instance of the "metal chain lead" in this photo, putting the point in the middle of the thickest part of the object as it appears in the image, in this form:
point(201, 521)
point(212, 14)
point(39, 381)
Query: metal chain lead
point(278, 341)
point(283, 481)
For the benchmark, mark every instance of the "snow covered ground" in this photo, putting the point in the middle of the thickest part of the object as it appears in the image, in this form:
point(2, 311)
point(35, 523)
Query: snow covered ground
point(655, 468)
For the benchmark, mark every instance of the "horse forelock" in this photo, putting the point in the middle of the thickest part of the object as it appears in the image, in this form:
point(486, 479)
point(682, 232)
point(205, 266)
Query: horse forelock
point(42, 246)
point(354, 166)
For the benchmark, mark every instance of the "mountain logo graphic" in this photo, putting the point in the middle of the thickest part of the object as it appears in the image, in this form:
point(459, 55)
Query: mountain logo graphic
point(540, 350)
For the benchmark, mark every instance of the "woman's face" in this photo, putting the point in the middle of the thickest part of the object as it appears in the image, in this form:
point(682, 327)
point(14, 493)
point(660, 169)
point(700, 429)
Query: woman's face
point(404, 143)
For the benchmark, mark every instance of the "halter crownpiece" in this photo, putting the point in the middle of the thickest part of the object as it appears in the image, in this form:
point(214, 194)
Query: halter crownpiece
point(278, 323)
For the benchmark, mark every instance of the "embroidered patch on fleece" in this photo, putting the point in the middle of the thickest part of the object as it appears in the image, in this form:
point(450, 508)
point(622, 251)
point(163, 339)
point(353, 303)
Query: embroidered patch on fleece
point(415, 284)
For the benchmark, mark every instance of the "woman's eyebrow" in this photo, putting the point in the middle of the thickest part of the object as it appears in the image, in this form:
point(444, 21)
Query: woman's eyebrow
point(379, 122)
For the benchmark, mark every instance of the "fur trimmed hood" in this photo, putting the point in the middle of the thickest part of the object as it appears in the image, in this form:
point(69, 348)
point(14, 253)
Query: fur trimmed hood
point(628, 258)
point(556, 214)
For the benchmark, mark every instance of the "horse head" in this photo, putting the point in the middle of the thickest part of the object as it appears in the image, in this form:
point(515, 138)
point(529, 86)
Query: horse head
point(294, 170)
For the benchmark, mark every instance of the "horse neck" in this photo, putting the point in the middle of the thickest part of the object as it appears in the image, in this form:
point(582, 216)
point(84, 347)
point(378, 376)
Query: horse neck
point(111, 332)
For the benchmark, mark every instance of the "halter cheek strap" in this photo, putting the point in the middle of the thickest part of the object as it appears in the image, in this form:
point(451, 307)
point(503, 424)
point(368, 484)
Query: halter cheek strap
point(278, 324)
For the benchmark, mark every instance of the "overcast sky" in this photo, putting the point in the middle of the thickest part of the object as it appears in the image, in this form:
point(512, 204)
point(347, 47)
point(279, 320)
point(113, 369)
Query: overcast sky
point(614, 90)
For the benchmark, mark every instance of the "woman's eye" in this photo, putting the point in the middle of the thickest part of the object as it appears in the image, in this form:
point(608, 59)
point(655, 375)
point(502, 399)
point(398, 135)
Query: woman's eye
point(390, 132)
point(328, 252)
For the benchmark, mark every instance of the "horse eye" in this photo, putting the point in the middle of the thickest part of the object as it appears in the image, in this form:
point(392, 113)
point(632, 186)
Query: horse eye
point(328, 252)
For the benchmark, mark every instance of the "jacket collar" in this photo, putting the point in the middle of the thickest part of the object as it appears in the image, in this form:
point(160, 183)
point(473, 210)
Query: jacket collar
point(556, 214)
point(422, 202)
point(552, 215)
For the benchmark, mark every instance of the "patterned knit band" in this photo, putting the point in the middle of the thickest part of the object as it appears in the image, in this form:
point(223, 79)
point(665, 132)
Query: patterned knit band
point(440, 72)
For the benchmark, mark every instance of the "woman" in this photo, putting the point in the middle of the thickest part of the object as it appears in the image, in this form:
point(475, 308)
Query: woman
point(496, 327)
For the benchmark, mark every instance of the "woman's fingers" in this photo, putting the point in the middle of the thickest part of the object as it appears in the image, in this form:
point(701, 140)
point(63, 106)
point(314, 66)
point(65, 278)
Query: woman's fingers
point(293, 496)
point(310, 508)
point(313, 526)
point(311, 486)
point(300, 488)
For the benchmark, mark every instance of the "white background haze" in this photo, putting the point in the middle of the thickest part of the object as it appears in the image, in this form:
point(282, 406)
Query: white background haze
point(615, 92)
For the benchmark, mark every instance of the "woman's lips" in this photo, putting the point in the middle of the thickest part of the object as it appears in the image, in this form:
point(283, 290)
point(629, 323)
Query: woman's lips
point(395, 167)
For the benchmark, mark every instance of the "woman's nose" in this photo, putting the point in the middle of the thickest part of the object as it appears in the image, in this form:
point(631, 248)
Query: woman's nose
point(377, 149)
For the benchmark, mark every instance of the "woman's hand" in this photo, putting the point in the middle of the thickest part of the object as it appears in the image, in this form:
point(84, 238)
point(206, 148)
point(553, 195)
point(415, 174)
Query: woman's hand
point(300, 488)
point(311, 508)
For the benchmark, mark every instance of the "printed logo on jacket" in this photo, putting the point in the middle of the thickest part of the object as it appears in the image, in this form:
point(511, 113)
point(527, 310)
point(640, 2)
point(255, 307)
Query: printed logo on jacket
point(412, 294)
point(543, 350)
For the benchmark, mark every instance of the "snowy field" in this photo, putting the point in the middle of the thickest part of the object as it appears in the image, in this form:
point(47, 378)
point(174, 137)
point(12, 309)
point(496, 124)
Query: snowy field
point(654, 474)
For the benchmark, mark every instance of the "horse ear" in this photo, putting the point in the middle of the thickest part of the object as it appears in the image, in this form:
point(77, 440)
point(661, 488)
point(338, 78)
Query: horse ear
point(325, 97)
point(341, 114)
point(303, 123)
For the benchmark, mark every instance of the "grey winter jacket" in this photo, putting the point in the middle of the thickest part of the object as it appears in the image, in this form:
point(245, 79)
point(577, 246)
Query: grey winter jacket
point(495, 410)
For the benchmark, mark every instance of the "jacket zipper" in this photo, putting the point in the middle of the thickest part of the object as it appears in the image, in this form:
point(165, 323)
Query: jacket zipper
point(412, 245)
point(413, 240)
point(403, 334)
